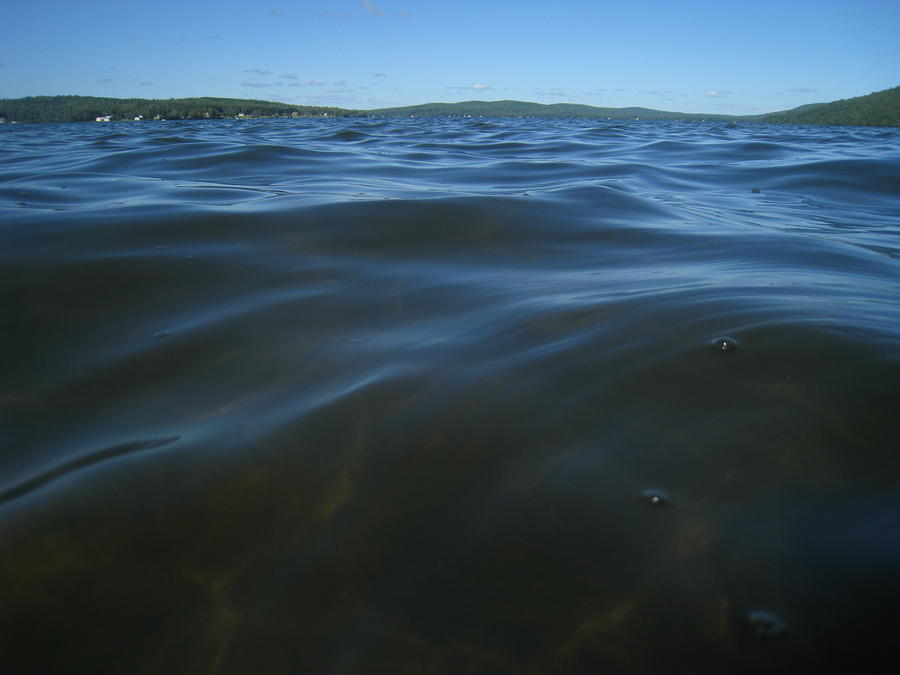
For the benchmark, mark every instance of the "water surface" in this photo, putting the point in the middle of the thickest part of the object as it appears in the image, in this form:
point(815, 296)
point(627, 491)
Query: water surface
point(448, 396)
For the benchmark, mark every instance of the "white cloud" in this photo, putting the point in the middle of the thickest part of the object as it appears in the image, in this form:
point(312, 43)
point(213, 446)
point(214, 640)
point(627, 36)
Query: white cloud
point(146, 84)
point(379, 74)
point(257, 84)
point(308, 83)
point(476, 87)
point(340, 83)
point(288, 76)
point(257, 71)
point(715, 93)
point(370, 7)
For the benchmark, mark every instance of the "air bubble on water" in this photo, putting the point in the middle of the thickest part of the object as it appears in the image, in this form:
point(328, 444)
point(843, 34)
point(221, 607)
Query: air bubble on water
point(723, 343)
point(766, 625)
point(656, 498)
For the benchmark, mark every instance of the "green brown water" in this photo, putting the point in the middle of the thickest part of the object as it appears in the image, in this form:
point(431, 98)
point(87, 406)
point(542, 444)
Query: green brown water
point(447, 396)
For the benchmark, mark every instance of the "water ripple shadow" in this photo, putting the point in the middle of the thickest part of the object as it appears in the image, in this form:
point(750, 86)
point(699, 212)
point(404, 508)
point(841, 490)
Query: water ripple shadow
point(35, 482)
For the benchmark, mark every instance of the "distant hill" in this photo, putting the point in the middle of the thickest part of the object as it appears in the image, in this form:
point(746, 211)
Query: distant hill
point(88, 108)
point(525, 109)
point(880, 109)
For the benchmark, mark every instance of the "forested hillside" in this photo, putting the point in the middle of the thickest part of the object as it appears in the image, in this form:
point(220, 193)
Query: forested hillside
point(88, 108)
point(527, 109)
point(880, 109)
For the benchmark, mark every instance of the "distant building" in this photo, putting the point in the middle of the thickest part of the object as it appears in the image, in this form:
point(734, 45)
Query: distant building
point(138, 118)
point(104, 118)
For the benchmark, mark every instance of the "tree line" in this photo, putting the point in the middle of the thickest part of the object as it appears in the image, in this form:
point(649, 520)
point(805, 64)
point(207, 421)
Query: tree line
point(879, 109)
point(89, 108)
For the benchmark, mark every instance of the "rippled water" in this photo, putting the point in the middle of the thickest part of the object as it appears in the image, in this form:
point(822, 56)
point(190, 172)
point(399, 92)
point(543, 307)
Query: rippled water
point(449, 396)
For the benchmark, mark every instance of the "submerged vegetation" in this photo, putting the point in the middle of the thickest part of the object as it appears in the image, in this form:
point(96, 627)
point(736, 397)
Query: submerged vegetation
point(878, 109)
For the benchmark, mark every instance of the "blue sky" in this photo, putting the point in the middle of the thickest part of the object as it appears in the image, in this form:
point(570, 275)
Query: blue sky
point(729, 57)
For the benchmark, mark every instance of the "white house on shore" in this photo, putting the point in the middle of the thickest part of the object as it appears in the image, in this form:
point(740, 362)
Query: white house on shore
point(104, 118)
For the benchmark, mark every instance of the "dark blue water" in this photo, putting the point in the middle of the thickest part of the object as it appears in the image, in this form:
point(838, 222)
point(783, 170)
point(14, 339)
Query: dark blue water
point(448, 396)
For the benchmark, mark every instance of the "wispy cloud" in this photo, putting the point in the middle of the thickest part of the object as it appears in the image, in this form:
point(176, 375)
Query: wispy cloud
point(476, 87)
point(715, 93)
point(257, 71)
point(332, 99)
point(658, 92)
point(277, 11)
point(331, 14)
point(379, 74)
point(308, 83)
point(146, 84)
point(288, 76)
point(106, 80)
point(403, 15)
point(370, 7)
point(339, 83)
point(258, 85)
point(185, 38)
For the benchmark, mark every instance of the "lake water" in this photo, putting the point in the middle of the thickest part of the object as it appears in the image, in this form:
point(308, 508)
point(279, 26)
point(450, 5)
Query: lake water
point(448, 396)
